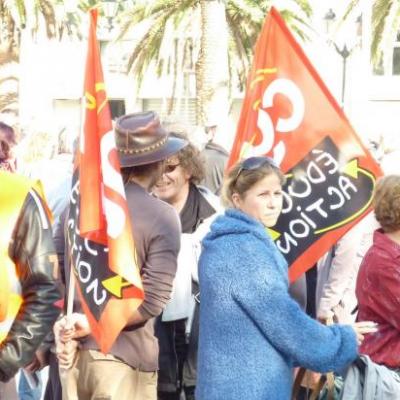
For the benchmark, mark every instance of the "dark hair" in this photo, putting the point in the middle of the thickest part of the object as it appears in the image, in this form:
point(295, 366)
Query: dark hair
point(7, 133)
point(239, 180)
point(4, 150)
point(140, 170)
point(387, 202)
point(190, 159)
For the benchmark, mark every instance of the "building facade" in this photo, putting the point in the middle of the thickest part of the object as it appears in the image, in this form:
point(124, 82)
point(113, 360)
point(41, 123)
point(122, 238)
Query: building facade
point(52, 75)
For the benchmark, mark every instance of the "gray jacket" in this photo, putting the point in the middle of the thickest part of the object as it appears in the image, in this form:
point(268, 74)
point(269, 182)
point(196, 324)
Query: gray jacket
point(370, 381)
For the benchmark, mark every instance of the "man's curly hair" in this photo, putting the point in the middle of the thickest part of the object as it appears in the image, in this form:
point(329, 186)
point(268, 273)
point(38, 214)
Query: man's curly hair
point(190, 159)
point(387, 202)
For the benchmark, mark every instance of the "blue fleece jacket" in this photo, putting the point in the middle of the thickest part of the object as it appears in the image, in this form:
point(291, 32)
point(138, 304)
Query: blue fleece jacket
point(251, 331)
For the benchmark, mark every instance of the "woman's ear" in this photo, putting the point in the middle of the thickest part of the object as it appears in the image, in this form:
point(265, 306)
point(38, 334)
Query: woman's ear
point(187, 175)
point(236, 200)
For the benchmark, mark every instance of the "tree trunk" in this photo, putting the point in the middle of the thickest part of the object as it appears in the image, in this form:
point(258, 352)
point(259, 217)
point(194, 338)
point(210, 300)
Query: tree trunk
point(175, 63)
point(9, 70)
point(212, 66)
point(9, 84)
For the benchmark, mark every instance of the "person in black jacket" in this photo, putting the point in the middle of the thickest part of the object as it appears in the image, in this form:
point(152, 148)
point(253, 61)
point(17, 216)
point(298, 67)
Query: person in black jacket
point(28, 265)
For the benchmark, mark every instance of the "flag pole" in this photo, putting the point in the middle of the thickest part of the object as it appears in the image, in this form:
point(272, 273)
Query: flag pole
point(65, 372)
point(71, 282)
point(70, 297)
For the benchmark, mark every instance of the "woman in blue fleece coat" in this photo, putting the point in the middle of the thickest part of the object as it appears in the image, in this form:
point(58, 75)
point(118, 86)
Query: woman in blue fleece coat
point(251, 332)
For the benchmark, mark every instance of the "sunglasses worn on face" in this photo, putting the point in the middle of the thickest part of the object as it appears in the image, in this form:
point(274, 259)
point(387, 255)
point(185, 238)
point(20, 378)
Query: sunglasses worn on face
point(253, 163)
point(170, 168)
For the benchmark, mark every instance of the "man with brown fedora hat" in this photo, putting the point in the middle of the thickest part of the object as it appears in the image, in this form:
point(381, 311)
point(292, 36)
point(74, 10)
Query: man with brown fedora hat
point(129, 371)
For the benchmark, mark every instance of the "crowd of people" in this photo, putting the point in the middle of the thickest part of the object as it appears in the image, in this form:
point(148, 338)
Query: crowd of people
point(219, 318)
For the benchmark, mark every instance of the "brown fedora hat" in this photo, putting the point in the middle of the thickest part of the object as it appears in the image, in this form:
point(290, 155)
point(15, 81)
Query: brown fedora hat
point(141, 139)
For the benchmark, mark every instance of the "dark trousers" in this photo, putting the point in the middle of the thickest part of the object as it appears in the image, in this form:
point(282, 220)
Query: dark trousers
point(177, 358)
point(172, 355)
point(190, 365)
point(53, 387)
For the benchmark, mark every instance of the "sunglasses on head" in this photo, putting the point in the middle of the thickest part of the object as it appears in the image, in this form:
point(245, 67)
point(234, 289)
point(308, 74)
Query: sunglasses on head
point(170, 168)
point(253, 163)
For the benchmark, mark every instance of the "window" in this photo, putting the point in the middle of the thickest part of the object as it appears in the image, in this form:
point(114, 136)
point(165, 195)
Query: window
point(184, 109)
point(396, 60)
point(115, 55)
point(67, 114)
point(389, 63)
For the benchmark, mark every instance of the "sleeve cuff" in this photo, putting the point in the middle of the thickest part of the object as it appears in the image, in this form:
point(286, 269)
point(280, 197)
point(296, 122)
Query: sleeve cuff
point(145, 313)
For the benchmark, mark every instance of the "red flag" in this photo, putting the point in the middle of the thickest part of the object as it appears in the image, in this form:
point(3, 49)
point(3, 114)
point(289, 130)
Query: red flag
point(289, 114)
point(99, 230)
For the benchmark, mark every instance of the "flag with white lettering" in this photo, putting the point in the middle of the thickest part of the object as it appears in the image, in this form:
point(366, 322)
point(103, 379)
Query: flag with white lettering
point(101, 247)
point(289, 114)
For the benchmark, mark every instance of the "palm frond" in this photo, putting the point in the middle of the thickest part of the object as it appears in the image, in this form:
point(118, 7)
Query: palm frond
point(305, 7)
point(350, 7)
point(47, 10)
point(149, 40)
point(126, 22)
point(18, 12)
point(8, 79)
point(8, 102)
point(152, 11)
point(85, 6)
point(381, 11)
point(8, 57)
point(297, 24)
point(245, 25)
point(242, 53)
point(244, 17)
point(150, 45)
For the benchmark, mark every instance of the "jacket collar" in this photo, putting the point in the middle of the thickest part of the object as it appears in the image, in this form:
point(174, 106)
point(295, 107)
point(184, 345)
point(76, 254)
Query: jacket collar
point(382, 241)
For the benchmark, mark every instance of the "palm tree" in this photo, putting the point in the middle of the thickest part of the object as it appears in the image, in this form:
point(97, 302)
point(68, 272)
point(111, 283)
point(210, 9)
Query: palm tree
point(220, 36)
point(385, 21)
point(15, 16)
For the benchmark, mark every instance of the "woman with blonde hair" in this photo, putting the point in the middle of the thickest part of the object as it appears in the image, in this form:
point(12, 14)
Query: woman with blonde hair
point(252, 333)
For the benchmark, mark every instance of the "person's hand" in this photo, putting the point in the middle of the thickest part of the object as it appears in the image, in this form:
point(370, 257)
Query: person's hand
point(71, 327)
point(38, 362)
point(362, 328)
point(59, 330)
point(66, 353)
point(325, 320)
point(66, 330)
point(80, 325)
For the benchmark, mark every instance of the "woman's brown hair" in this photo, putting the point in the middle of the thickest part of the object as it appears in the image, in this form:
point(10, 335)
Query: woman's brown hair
point(387, 202)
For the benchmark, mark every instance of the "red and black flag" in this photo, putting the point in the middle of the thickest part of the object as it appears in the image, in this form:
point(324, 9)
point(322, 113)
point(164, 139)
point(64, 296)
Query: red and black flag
point(101, 246)
point(289, 114)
